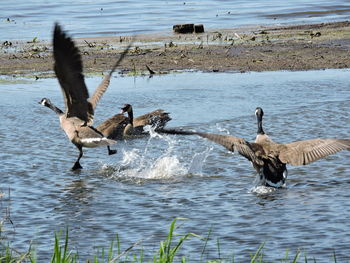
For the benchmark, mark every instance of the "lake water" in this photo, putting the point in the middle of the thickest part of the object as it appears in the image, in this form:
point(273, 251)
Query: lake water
point(84, 18)
point(150, 181)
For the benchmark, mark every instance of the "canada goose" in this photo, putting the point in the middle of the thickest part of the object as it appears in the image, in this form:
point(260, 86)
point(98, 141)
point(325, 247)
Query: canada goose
point(78, 118)
point(269, 158)
point(120, 127)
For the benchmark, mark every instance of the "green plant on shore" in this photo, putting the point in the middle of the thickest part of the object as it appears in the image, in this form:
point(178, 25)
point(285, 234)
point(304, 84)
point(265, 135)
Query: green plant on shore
point(63, 254)
point(10, 255)
point(167, 249)
point(167, 253)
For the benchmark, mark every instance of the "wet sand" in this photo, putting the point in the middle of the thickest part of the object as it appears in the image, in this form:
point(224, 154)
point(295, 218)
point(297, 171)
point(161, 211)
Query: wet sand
point(295, 47)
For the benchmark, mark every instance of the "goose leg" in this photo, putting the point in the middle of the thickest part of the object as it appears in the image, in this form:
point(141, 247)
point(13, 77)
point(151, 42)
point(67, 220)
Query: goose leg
point(77, 164)
point(110, 152)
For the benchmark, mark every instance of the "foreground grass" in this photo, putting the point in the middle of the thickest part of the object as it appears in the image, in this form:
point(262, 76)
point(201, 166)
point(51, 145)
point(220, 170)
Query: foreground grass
point(167, 252)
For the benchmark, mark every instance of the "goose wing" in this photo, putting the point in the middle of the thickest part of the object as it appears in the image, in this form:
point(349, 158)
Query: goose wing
point(305, 152)
point(156, 118)
point(101, 89)
point(68, 68)
point(231, 143)
point(113, 128)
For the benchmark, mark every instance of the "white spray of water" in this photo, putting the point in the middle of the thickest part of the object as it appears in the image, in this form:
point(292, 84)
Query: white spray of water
point(141, 164)
point(129, 157)
point(196, 165)
point(165, 167)
point(262, 190)
point(222, 129)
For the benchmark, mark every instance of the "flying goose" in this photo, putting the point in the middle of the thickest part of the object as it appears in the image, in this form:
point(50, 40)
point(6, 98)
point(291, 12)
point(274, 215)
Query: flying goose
point(270, 158)
point(121, 127)
point(76, 121)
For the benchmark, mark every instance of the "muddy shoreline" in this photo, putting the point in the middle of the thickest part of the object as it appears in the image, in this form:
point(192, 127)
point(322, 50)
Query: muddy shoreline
point(294, 47)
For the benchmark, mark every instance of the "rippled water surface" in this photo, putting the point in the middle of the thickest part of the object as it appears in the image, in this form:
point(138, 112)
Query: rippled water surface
point(137, 192)
point(29, 19)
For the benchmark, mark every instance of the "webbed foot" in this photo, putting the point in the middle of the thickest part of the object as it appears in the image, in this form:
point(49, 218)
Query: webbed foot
point(77, 166)
point(111, 152)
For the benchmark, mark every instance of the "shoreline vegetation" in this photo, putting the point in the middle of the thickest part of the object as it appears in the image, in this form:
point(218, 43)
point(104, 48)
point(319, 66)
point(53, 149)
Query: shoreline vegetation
point(168, 251)
point(261, 48)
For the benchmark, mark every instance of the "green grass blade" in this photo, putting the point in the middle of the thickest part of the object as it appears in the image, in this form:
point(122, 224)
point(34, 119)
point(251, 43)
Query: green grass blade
point(334, 257)
point(295, 260)
point(205, 243)
point(257, 253)
point(218, 246)
point(65, 251)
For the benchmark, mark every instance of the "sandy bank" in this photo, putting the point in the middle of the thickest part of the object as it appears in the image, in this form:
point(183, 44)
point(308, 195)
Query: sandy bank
point(303, 47)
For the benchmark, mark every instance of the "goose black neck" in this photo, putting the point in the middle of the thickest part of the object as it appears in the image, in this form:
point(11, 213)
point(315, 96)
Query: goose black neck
point(260, 127)
point(54, 108)
point(131, 116)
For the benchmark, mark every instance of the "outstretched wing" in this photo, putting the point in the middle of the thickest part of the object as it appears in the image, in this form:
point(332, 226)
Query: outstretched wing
point(231, 143)
point(68, 68)
point(101, 89)
point(113, 128)
point(157, 118)
point(305, 152)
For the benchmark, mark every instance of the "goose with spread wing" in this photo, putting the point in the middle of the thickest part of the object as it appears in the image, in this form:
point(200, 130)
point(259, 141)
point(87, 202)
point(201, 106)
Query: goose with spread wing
point(121, 127)
point(77, 119)
point(270, 158)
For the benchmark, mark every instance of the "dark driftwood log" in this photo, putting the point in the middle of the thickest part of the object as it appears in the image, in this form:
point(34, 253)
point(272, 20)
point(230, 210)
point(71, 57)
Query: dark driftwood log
point(199, 28)
point(183, 28)
point(188, 28)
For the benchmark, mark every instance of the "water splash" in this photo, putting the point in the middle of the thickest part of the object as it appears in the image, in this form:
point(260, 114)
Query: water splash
point(165, 167)
point(262, 190)
point(129, 157)
point(196, 165)
point(139, 164)
point(222, 129)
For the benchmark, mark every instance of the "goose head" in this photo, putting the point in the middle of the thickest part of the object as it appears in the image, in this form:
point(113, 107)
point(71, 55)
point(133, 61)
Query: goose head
point(126, 108)
point(259, 113)
point(46, 102)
